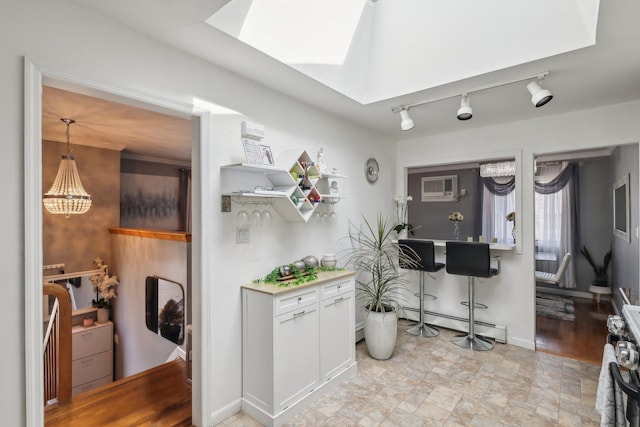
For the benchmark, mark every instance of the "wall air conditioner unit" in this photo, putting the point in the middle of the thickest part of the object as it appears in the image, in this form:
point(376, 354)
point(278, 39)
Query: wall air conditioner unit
point(440, 188)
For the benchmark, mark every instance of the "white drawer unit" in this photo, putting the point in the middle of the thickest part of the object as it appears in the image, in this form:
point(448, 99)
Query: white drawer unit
point(294, 300)
point(92, 355)
point(296, 343)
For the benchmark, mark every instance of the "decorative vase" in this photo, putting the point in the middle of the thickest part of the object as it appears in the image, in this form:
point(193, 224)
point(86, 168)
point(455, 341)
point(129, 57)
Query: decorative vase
point(403, 234)
point(456, 230)
point(380, 333)
point(103, 315)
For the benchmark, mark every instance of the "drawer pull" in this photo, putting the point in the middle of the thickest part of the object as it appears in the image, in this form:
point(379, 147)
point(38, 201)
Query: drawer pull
point(338, 299)
point(87, 361)
point(298, 314)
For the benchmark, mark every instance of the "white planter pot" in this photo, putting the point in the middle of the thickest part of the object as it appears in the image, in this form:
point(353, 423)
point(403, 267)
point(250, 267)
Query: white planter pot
point(380, 332)
point(103, 315)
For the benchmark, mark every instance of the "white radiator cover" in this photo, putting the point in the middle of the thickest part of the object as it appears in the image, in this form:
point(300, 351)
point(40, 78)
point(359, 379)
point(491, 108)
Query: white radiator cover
point(491, 330)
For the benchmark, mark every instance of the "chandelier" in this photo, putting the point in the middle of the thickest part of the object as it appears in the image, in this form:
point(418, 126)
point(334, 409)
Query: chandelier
point(498, 169)
point(67, 196)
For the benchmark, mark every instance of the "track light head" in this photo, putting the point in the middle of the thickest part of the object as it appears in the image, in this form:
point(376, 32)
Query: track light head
point(407, 122)
point(539, 96)
point(465, 112)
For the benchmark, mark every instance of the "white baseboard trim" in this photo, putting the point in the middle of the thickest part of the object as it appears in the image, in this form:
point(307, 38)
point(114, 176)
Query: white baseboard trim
point(529, 345)
point(497, 332)
point(565, 292)
point(294, 409)
point(177, 353)
point(359, 331)
point(225, 412)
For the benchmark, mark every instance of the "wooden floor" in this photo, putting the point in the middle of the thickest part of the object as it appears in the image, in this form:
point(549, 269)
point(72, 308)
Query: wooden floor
point(160, 396)
point(582, 339)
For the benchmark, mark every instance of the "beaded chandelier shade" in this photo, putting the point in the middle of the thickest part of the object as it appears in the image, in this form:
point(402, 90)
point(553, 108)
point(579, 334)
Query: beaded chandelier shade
point(498, 169)
point(67, 196)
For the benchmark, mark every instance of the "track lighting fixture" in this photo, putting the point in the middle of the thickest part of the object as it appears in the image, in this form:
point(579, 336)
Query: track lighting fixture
point(465, 112)
point(407, 122)
point(539, 97)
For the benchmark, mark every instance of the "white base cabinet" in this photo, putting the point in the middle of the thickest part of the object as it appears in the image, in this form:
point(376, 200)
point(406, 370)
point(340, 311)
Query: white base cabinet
point(297, 343)
point(92, 356)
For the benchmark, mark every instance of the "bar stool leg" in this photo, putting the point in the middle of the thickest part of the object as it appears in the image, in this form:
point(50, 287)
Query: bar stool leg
point(421, 329)
point(471, 340)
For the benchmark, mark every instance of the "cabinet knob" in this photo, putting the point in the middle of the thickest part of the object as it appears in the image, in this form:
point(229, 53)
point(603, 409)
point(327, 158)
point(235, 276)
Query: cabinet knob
point(299, 299)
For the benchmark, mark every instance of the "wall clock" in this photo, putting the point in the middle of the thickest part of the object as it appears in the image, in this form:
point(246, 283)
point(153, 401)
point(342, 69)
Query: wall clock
point(371, 170)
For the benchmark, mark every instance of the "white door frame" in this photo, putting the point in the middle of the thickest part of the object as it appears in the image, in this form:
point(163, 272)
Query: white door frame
point(35, 70)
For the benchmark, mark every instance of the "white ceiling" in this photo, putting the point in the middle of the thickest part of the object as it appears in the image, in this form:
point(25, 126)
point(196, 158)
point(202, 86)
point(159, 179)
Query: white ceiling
point(116, 126)
point(606, 73)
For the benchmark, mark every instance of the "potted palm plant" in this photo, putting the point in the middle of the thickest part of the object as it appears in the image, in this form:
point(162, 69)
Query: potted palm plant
point(601, 277)
point(376, 256)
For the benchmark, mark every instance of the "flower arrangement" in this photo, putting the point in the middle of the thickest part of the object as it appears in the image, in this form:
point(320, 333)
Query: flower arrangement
point(456, 216)
point(401, 214)
point(511, 216)
point(103, 284)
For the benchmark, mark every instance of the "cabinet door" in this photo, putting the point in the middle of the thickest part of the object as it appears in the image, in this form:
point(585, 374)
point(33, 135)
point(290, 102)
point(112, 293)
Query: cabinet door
point(337, 337)
point(295, 355)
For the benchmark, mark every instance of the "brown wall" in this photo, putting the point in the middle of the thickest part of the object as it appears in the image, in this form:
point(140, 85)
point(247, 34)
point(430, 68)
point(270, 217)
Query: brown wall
point(76, 241)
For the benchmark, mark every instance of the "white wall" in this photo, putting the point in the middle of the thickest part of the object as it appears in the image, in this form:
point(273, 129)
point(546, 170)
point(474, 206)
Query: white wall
point(81, 42)
point(511, 296)
point(135, 258)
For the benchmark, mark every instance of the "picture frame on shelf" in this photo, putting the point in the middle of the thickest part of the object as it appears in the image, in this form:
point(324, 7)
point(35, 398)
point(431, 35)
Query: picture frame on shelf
point(252, 151)
point(267, 156)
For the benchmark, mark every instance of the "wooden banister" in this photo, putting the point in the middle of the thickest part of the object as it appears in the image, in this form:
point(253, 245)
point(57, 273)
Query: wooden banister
point(64, 340)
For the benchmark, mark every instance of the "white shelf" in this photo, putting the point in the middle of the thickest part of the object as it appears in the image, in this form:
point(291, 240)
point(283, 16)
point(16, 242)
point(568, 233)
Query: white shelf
point(244, 167)
point(289, 199)
point(333, 176)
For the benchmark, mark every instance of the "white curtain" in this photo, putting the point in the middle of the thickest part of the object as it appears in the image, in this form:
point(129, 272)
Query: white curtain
point(553, 222)
point(494, 214)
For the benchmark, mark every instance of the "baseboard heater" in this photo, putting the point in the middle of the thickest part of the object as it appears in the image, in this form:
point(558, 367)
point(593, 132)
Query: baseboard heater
point(497, 332)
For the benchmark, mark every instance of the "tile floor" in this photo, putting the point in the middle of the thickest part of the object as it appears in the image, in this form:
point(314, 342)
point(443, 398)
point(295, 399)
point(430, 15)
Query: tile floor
point(431, 382)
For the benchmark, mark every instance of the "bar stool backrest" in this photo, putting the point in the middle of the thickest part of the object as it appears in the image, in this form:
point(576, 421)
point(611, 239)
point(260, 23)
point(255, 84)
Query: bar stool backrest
point(422, 252)
point(469, 259)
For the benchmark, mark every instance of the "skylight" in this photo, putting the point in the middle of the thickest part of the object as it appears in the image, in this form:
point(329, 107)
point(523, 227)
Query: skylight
point(302, 32)
point(374, 51)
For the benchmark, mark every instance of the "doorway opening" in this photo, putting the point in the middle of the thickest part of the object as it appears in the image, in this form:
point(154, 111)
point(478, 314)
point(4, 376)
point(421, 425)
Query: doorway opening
point(573, 214)
point(37, 76)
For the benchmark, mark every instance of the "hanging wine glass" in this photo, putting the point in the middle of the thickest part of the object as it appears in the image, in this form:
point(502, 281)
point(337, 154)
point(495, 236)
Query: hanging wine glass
point(266, 218)
point(242, 220)
point(324, 217)
point(256, 218)
point(315, 218)
point(333, 217)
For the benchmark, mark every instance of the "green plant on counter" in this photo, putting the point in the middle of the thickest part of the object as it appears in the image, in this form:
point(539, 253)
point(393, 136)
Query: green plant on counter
point(299, 277)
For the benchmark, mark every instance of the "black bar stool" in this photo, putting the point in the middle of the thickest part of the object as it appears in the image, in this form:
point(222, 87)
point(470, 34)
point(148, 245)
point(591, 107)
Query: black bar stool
point(422, 252)
point(471, 259)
